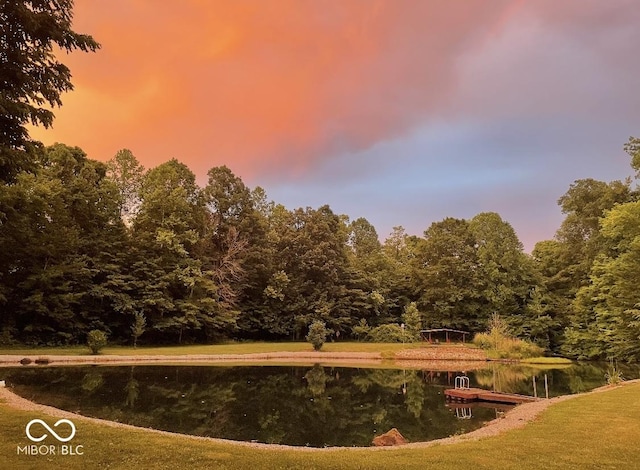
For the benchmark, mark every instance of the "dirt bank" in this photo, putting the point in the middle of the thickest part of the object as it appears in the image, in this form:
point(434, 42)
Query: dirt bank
point(407, 358)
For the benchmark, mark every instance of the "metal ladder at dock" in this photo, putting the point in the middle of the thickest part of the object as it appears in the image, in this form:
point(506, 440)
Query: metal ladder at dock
point(464, 413)
point(462, 382)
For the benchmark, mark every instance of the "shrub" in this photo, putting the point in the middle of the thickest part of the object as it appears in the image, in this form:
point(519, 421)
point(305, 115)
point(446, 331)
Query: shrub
point(523, 349)
point(613, 375)
point(92, 381)
point(501, 344)
point(317, 334)
point(483, 340)
point(96, 340)
point(506, 347)
point(389, 333)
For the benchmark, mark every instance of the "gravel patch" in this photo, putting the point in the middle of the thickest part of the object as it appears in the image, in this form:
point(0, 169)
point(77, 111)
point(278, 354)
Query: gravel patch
point(13, 360)
point(407, 356)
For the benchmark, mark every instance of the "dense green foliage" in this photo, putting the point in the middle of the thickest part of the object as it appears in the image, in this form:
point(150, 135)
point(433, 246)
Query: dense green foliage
point(591, 270)
point(31, 77)
point(152, 257)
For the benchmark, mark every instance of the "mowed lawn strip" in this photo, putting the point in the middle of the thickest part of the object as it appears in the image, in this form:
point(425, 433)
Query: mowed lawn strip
point(595, 431)
point(386, 349)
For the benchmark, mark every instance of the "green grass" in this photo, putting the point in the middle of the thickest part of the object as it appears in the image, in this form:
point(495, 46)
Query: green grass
point(387, 349)
point(547, 361)
point(596, 431)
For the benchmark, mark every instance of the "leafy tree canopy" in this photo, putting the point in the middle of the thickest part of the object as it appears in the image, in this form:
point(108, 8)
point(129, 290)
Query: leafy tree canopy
point(31, 77)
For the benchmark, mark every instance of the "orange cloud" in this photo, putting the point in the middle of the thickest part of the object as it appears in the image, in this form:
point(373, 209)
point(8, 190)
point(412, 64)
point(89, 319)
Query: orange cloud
point(263, 87)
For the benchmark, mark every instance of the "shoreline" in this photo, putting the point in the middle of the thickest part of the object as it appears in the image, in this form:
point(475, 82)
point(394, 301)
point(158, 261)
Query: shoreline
point(470, 358)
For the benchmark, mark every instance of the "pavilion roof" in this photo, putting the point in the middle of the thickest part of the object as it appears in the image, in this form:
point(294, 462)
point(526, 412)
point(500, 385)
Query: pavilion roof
point(449, 330)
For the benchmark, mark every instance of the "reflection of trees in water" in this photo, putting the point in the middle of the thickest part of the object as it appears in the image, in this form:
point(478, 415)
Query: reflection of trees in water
point(316, 380)
point(414, 394)
point(197, 408)
point(586, 376)
point(388, 378)
point(577, 378)
point(294, 405)
point(132, 388)
point(271, 428)
point(133, 392)
point(504, 377)
point(92, 381)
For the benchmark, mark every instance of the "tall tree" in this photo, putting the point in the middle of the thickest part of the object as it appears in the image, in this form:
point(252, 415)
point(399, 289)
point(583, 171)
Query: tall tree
point(58, 239)
point(607, 319)
point(396, 274)
point(367, 273)
point(507, 281)
point(127, 173)
point(572, 263)
point(447, 276)
point(579, 237)
point(363, 239)
point(632, 147)
point(312, 252)
point(554, 291)
point(179, 296)
point(236, 219)
point(31, 76)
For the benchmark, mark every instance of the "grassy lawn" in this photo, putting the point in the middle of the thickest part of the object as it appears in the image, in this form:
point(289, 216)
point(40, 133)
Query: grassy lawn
point(387, 349)
point(546, 361)
point(595, 431)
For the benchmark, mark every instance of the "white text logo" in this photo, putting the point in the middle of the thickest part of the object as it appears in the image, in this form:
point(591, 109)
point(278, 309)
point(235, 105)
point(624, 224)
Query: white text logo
point(48, 428)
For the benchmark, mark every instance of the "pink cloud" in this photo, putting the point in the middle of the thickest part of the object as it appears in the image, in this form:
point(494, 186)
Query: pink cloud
point(262, 86)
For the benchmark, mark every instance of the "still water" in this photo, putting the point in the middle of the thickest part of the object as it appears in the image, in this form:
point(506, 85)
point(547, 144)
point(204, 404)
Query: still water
point(303, 406)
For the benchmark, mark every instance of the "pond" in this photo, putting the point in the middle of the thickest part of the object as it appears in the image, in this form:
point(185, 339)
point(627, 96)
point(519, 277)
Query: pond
point(302, 406)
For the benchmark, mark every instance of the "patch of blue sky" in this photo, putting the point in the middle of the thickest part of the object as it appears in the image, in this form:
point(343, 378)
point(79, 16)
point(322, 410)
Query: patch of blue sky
point(516, 167)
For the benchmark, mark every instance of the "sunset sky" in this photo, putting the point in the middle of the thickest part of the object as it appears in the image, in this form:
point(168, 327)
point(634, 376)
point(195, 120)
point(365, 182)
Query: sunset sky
point(403, 112)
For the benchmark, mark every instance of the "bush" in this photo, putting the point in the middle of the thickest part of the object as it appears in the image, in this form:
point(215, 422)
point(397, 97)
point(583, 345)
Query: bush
point(317, 334)
point(613, 375)
point(522, 349)
point(96, 340)
point(500, 343)
point(389, 333)
point(483, 340)
point(506, 347)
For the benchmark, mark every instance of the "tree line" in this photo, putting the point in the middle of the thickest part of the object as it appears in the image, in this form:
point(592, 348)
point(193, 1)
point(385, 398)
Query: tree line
point(150, 255)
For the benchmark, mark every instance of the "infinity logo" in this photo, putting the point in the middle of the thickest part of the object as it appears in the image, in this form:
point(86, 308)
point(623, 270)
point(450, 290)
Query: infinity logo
point(53, 433)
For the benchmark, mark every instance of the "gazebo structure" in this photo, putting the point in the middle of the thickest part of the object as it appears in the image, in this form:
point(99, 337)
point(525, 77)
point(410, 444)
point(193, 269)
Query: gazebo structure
point(435, 335)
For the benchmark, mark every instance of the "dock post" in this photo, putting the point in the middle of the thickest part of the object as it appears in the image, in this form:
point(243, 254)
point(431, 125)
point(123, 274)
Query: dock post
point(546, 386)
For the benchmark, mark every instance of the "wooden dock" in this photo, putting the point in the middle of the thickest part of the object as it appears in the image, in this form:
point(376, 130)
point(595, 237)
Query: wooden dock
point(478, 394)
